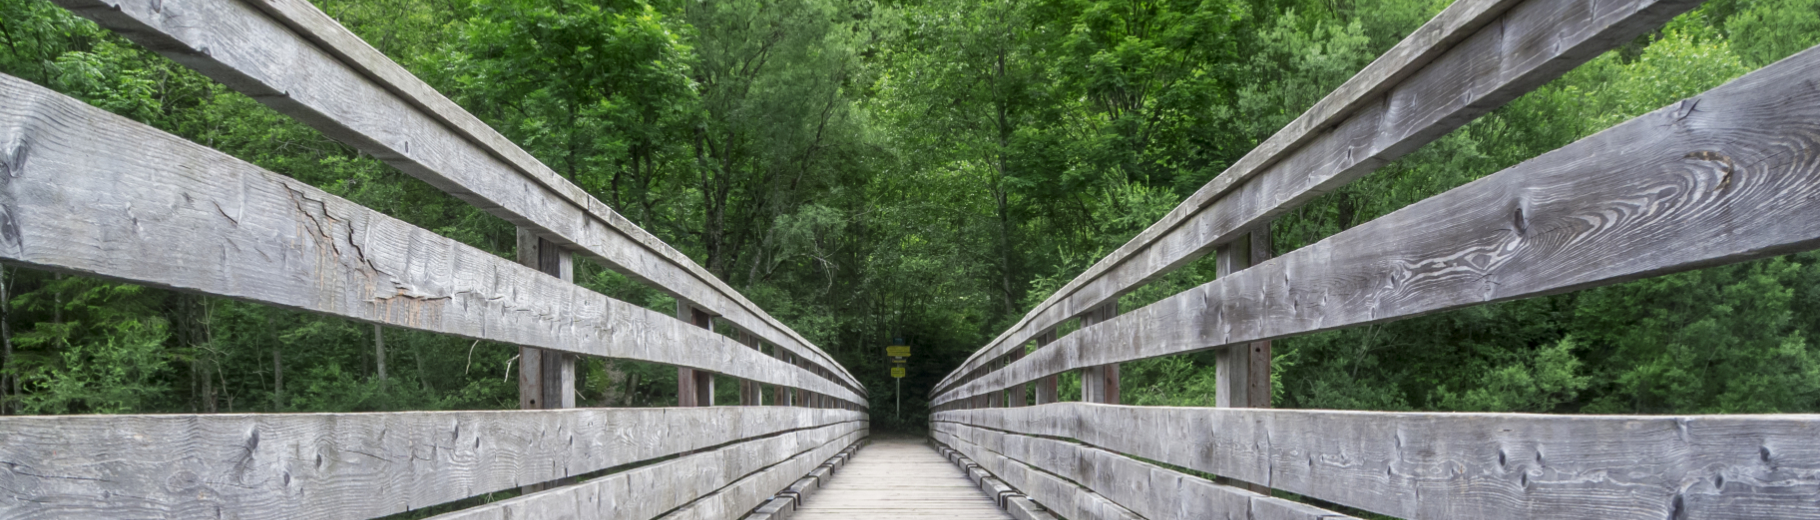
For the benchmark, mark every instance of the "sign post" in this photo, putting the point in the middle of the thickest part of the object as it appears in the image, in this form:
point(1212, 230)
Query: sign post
point(898, 354)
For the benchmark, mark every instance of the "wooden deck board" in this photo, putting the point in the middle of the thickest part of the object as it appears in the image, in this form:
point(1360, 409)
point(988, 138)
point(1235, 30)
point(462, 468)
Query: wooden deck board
point(899, 478)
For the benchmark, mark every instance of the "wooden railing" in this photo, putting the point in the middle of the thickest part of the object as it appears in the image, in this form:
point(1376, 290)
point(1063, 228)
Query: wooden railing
point(91, 193)
point(1730, 175)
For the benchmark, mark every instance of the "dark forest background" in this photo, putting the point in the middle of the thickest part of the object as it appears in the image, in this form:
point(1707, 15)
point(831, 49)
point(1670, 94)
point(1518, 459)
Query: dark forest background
point(926, 170)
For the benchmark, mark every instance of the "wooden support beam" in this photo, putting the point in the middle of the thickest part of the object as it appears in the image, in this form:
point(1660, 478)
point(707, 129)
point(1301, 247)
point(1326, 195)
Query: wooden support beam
point(1242, 371)
point(254, 235)
point(1154, 492)
point(1619, 205)
point(1259, 394)
point(546, 379)
point(694, 387)
point(750, 393)
point(1100, 383)
point(995, 399)
point(1047, 390)
point(688, 483)
point(802, 396)
point(1016, 397)
point(1467, 465)
point(340, 465)
point(1467, 61)
point(781, 395)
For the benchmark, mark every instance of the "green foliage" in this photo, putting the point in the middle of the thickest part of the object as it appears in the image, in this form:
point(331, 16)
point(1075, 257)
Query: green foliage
point(926, 170)
point(1541, 384)
point(1765, 31)
point(98, 353)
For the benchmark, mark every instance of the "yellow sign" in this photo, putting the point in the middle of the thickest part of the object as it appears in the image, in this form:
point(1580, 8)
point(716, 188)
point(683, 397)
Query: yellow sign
point(898, 351)
point(897, 372)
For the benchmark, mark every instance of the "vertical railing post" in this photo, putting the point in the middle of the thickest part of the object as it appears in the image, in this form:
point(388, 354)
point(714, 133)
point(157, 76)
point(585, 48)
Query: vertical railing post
point(694, 387)
point(1047, 388)
point(996, 398)
point(780, 394)
point(1016, 397)
point(1259, 379)
point(1242, 371)
point(749, 390)
point(546, 379)
point(1100, 384)
point(802, 396)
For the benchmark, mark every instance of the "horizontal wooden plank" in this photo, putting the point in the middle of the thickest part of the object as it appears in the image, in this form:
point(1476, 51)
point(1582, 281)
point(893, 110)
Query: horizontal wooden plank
point(740, 497)
point(92, 193)
point(356, 465)
point(1148, 490)
point(1064, 498)
point(294, 58)
point(1490, 466)
point(650, 491)
point(1469, 60)
point(1726, 176)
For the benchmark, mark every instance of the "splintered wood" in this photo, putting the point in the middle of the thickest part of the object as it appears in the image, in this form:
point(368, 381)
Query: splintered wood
point(899, 478)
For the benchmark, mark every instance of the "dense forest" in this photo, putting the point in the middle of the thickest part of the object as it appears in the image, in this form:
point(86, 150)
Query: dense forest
point(926, 170)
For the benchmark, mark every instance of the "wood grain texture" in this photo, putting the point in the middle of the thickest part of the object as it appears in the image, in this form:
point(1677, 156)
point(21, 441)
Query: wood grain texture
point(91, 193)
point(1467, 61)
point(1491, 466)
point(1239, 368)
point(1726, 176)
point(1148, 490)
point(256, 466)
point(1065, 498)
point(292, 57)
point(1100, 384)
point(546, 380)
point(650, 491)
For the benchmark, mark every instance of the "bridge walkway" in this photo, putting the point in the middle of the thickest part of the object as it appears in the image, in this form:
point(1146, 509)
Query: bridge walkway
point(899, 478)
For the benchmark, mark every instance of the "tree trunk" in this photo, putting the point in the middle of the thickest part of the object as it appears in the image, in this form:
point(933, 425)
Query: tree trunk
point(379, 353)
point(277, 381)
point(8, 383)
point(423, 374)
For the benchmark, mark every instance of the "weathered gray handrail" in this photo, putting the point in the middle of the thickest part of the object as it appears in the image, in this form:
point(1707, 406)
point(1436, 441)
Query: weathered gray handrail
point(1080, 481)
point(360, 465)
point(716, 484)
point(1726, 176)
point(96, 194)
point(1472, 58)
point(93, 193)
point(1445, 465)
point(294, 58)
point(259, 236)
point(1622, 204)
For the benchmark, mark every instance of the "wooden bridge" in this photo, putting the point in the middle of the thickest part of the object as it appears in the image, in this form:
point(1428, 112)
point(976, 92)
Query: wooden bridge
point(1730, 175)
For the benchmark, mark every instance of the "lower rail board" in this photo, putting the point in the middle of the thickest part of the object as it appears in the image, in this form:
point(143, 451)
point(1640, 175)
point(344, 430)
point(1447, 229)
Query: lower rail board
point(1467, 465)
point(1150, 491)
point(740, 497)
point(358, 465)
point(686, 482)
point(1066, 499)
